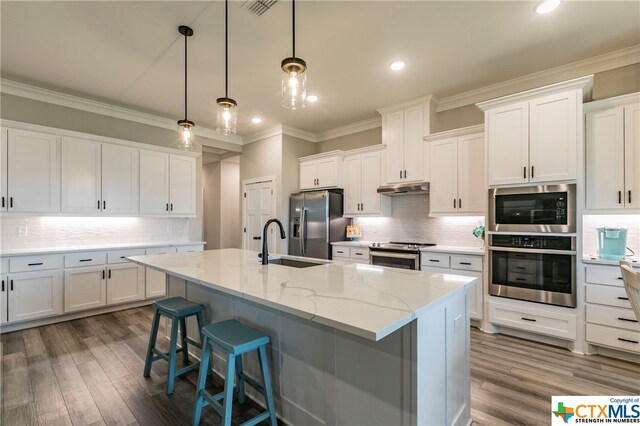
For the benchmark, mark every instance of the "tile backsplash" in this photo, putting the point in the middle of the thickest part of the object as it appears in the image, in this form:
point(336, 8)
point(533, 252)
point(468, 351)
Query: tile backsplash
point(17, 232)
point(590, 235)
point(410, 221)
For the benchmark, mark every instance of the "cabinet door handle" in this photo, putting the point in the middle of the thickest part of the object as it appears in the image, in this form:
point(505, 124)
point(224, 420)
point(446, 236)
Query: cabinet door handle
point(109, 274)
point(405, 174)
point(529, 319)
point(622, 298)
point(167, 206)
point(11, 285)
point(362, 206)
point(35, 264)
point(629, 198)
point(3, 286)
point(521, 268)
point(454, 203)
point(171, 206)
point(619, 197)
point(85, 260)
point(465, 263)
point(103, 277)
point(400, 174)
point(532, 174)
point(104, 205)
point(628, 340)
point(627, 319)
point(98, 204)
point(520, 279)
point(524, 172)
point(11, 202)
point(459, 203)
point(360, 254)
point(3, 199)
point(338, 251)
point(257, 238)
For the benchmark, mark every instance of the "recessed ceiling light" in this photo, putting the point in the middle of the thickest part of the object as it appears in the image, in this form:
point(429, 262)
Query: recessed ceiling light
point(547, 6)
point(256, 120)
point(397, 65)
point(312, 98)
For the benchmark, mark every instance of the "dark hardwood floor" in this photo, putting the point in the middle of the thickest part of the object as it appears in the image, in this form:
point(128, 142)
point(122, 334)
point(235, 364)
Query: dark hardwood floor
point(89, 372)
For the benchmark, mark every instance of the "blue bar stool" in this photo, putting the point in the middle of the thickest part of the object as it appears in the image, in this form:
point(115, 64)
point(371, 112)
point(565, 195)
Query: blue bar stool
point(178, 310)
point(234, 339)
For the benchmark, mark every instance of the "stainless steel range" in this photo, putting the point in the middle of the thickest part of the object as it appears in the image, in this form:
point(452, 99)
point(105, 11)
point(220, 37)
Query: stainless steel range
point(397, 254)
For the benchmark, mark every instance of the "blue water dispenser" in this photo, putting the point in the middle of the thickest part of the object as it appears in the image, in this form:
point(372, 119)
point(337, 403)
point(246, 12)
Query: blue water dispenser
point(612, 243)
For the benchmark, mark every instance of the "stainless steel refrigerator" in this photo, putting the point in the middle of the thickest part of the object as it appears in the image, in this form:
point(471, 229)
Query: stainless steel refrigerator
point(315, 221)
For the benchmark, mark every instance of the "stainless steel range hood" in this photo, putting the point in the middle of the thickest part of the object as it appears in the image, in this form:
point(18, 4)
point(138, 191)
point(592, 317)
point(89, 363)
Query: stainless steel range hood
point(404, 188)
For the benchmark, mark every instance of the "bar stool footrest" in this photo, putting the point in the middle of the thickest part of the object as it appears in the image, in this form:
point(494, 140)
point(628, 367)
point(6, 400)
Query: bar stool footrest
point(187, 368)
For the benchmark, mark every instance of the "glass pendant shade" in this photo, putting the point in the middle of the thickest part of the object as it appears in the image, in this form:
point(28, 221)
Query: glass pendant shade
point(294, 83)
point(226, 116)
point(186, 137)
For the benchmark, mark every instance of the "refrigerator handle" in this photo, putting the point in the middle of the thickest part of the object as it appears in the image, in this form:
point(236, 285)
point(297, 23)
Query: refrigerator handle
point(303, 236)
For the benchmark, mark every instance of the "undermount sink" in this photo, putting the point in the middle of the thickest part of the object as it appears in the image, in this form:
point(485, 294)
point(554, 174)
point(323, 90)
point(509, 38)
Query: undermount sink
point(295, 263)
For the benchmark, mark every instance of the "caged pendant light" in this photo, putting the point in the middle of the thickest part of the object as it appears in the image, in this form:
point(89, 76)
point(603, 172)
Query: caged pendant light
point(294, 78)
point(227, 116)
point(185, 127)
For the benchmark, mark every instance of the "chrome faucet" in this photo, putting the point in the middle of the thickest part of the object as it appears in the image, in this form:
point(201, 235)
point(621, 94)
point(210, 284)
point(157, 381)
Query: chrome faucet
point(265, 249)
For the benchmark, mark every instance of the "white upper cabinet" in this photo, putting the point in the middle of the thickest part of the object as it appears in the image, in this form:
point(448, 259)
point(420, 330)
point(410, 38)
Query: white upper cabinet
point(403, 127)
point(457, 172)
point(613, 154)
point(167, 184)
point(99, 177)
point(362, 177)
point(3, 171)
point(33, 178)
point(532, 136)
point(321, 171)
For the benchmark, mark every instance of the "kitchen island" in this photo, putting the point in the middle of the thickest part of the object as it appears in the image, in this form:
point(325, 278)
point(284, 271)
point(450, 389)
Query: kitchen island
point(350, 344)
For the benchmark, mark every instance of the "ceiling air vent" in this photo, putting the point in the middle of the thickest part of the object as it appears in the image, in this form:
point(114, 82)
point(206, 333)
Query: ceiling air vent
point(258, 7)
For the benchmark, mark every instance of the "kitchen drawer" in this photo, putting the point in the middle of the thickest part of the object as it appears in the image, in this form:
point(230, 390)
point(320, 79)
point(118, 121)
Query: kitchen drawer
point(434, 260)
point(193, 247)
point(34, 263)
point(607, 295)
point(608, 275)
point(85, 259)
point(360, 254)
point(540, 321)
point(522, 266)
point(467, 263)
point(118, 256)
point(613, 337)
point(340, 252)
point(613, 317)
point(4, 266)
point(160, 250)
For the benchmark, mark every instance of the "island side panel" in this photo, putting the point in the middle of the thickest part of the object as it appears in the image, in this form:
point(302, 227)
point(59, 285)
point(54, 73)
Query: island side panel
point(442, 388)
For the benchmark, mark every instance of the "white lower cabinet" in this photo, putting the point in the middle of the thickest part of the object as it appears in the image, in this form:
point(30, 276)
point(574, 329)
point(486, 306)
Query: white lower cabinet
point(3, 299)
point(155, 281)
point(85, 288)
point(350, 254)
point(610, 319)
point(34, 295)
point(125, 283)
point(466, 265)
point(541, 319)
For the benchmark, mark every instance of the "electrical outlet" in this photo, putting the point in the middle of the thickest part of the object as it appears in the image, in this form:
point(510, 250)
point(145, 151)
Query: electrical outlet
point(22, 231)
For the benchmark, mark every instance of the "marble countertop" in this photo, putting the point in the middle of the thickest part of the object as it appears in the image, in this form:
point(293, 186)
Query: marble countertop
point(115, 246)
point(365, 300)
point(434, 249)
point(595, 260)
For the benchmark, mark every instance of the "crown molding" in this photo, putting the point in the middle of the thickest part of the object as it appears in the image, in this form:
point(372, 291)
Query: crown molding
point(623, 100)
point(432, 100)
point(22, 90)
point(478, 128)
point(263, 134)
point(349, 129)
point(607, 61)
point(299, 133)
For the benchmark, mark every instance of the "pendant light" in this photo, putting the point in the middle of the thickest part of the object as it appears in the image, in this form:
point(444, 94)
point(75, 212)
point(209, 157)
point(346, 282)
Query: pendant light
point(227, 116)
point(294, 78)
point(185, 127)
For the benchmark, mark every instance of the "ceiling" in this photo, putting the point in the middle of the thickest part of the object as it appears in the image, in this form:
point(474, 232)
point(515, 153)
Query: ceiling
point(131, 54)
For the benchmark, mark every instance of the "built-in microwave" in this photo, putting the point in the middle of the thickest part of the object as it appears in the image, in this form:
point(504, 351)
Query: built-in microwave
point(545, 208)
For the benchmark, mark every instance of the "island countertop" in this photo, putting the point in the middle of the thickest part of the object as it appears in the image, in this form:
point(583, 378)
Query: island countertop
point(365, 300)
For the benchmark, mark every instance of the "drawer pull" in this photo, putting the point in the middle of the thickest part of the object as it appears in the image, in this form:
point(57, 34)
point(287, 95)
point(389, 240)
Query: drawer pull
point(623, 298)
point(520, 279)
point(627, 319)
point(35, 264)
point(619, 278)
point(341, 252)
point(434, 260)
point(628, 340)
point(358, 254)
point(521, 268)
point(529, 319)
point(122, 257)
point(85, 260)
point(465, 263)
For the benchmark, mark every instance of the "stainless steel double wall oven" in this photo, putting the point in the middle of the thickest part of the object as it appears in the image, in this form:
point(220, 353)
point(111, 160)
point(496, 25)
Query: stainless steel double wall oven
point(532, 243)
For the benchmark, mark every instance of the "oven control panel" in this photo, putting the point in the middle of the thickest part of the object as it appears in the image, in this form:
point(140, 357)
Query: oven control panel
point(532, 242)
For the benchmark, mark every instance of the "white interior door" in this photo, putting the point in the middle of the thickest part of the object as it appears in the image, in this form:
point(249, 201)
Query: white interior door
point(259, 207)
